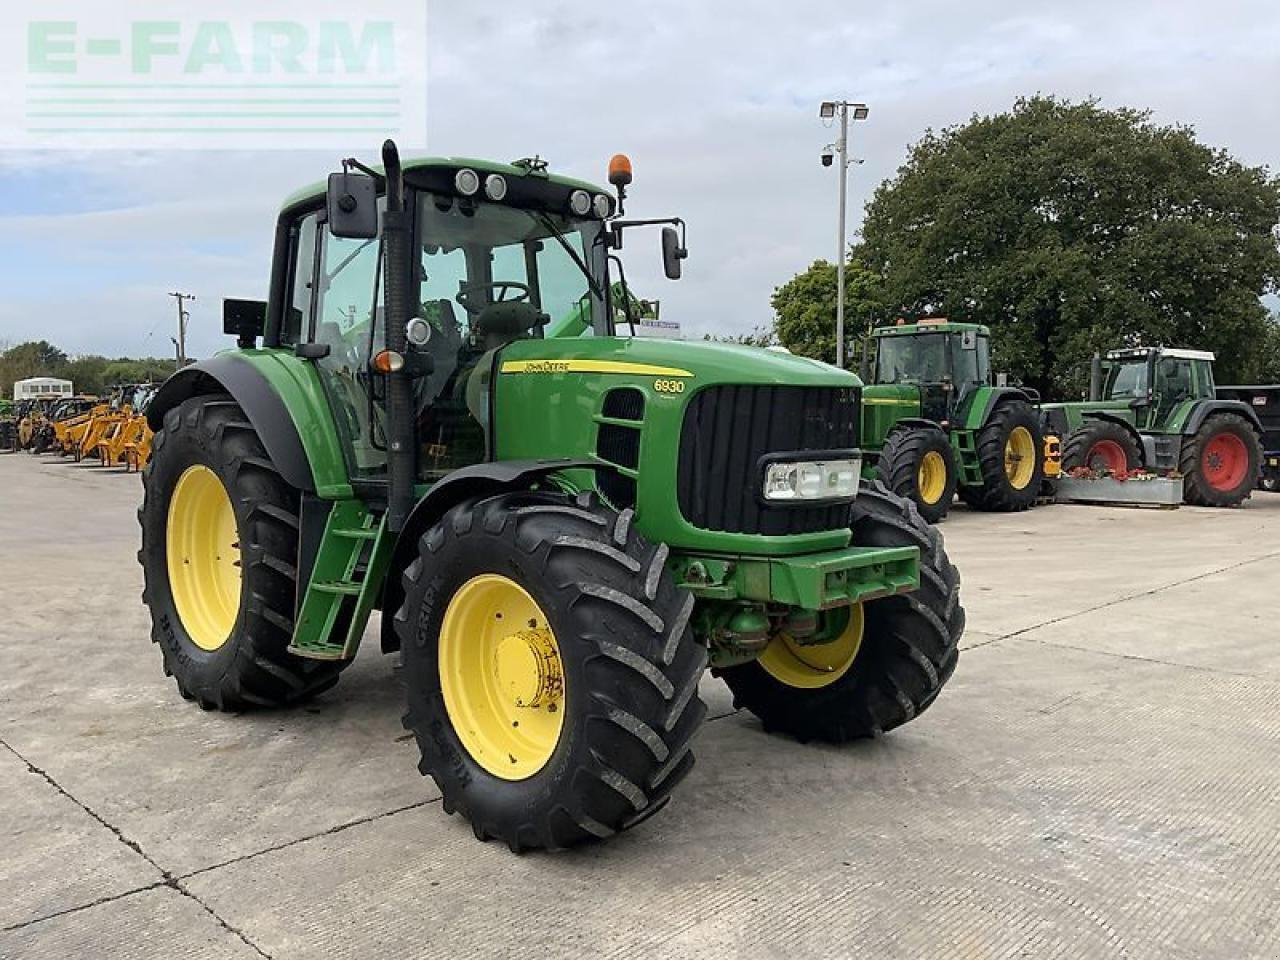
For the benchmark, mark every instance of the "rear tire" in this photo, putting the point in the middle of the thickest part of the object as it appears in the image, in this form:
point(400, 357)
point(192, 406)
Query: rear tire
point(1101, 445)
point(1007, 487)
point(252, 667)
point(1221, 462)
point(909, 647)
point(918, 463)
point(628, 662)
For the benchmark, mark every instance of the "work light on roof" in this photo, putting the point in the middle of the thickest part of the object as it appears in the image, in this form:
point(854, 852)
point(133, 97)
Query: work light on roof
point(466, 182)
point(495, 186)
point(580, 202)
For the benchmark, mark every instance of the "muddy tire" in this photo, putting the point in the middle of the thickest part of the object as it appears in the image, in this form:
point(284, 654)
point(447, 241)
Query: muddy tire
point(908, 649)
point(209, 441)
point(596, 605)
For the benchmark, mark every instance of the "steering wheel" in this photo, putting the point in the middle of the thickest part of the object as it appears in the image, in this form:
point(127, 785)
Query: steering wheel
point(470, 300)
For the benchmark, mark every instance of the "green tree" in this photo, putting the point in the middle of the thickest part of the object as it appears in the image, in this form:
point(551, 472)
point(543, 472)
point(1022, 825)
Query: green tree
point(86, 372)
point(805, 308)
point(146, 369)
point(1068, 228)
point(1269, 353)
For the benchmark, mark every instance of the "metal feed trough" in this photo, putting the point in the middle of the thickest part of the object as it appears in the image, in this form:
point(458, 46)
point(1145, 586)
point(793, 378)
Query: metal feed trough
point(1165, 492)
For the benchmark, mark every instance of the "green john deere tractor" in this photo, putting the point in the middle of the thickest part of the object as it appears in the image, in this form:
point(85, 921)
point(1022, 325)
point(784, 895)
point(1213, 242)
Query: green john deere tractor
point(1156, 408)
point(432, 415)
point(934, 426)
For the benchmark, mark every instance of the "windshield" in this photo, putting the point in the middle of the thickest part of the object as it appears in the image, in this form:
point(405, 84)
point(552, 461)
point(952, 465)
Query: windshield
point(1126, 379)
point(489, 274)
point(504, 253)
point(920, 358)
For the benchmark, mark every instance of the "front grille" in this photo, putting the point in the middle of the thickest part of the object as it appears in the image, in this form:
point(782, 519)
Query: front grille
point(728, 429)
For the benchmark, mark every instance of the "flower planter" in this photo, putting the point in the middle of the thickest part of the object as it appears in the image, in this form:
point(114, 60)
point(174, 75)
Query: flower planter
point(1163, 492)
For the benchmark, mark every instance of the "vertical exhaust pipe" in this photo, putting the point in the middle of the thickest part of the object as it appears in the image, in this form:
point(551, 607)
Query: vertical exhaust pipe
point(401, 429)
point(1095, 377)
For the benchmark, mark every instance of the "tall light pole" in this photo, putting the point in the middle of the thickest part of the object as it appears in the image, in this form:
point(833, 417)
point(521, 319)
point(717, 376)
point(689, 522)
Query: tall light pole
point(183, 316)
point(828, 111)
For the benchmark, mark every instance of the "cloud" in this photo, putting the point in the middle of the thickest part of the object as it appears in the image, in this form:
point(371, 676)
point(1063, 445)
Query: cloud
point(716, 104)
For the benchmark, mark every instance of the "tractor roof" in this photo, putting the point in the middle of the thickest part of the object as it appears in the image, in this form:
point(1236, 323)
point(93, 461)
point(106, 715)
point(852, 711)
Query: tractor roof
point(930, 325)
point(316, 191)
point(1132, 353)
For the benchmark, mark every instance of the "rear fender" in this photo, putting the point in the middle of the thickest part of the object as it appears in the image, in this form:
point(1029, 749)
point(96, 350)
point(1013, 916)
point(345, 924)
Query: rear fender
point(1208, 408)
point(257, 396)
point(986, 399)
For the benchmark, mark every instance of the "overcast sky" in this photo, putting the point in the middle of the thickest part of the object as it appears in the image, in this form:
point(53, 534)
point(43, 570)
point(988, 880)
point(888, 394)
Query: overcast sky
point(716, 103)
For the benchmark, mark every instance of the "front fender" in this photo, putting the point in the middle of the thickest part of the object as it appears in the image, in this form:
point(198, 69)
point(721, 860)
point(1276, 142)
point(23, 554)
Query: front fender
point(477, 480)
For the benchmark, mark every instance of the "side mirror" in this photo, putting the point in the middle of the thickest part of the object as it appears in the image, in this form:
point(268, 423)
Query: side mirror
point(672, 253)
point(351, 203)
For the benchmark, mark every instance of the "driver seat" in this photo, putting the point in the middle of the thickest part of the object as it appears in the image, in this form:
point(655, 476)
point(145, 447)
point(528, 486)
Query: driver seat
point(500, 323)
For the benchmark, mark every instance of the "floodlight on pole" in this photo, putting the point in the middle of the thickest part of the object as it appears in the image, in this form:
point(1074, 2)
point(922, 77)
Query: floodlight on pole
point(828, 110)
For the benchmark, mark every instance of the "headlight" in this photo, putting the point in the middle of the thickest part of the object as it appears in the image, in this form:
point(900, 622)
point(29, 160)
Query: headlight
point(466, 181)
point(812, 480)
point(601, 204)
point(495, 187)
point(580, 202)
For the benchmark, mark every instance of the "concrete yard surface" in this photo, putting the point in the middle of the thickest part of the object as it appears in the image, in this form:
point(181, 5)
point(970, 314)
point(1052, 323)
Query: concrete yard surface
point(1099, 779)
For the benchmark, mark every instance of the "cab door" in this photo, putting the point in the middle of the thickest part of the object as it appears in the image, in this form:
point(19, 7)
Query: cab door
point(336, 305)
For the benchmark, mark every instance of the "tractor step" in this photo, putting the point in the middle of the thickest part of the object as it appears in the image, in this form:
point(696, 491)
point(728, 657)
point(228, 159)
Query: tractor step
point(346, 579)
point(344, 587)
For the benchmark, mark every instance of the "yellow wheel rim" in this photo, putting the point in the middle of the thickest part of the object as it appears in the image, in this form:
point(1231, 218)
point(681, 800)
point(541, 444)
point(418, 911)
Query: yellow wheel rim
point(931, 478)
point(1019, 457)
point(502, 676)
point(201, 541)
point(814, 665)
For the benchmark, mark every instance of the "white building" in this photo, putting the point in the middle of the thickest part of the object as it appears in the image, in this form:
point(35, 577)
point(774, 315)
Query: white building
point(42, 388)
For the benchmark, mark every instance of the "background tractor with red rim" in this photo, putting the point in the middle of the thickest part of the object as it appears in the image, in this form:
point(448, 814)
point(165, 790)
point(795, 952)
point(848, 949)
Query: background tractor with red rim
point(1157, 408)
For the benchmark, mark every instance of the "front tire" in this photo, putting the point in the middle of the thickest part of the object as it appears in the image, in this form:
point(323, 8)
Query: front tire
point(919, 464)
point(1221, 462)
point(608, 632)
point(907, 648)
point(1101, 445)
point(1010, 457)
point(219, 560)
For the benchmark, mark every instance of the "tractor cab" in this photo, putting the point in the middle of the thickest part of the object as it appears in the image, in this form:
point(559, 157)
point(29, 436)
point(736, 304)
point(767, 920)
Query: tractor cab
point(1154, 382)
point(943, 360)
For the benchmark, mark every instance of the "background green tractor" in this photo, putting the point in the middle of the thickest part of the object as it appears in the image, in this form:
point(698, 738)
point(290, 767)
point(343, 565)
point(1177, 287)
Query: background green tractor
point(562, 531)
point(1157, 408)
point(934, 426)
